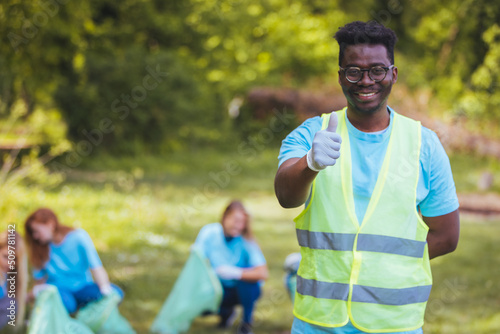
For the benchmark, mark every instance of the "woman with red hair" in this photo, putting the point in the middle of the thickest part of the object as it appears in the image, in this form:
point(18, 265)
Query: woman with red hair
point(66, 257)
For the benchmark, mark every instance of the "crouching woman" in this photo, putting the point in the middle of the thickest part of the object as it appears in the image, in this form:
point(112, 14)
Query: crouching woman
point(67, 258)
point(238, 261)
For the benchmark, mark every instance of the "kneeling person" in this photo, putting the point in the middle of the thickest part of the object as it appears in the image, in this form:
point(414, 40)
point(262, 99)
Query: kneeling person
point(66, 257)
point(238, 261)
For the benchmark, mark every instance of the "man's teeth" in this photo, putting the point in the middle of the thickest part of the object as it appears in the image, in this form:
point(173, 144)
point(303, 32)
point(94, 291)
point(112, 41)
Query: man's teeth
point(366, 94)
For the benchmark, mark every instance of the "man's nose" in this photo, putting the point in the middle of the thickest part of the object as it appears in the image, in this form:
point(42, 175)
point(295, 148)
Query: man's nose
point(365, 79)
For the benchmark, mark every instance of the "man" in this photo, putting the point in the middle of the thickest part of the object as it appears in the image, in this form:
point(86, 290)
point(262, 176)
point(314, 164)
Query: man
point(364, 172)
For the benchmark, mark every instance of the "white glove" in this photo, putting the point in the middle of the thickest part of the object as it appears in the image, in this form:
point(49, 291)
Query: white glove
point(325, 147)
point(37, 289)
point(106, 289)
point(229, 272)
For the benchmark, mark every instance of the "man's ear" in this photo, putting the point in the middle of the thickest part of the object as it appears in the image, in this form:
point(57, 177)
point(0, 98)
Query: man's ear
point(394, 74)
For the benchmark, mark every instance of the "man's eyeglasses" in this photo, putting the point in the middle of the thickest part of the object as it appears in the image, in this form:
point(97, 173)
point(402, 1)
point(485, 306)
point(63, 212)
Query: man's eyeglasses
point(376, 73)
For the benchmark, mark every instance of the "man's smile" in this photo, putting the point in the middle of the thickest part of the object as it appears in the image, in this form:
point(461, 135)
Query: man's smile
point(365, 96)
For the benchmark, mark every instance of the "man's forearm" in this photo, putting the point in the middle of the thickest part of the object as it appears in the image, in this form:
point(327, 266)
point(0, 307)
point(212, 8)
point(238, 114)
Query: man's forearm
point(439, 245)
point(293, 182)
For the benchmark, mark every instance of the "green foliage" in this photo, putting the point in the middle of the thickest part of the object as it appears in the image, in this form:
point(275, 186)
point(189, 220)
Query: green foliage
point(97, 56)
point(482, 97)
point(455, 49)
point(27, 145)
point(149, 102)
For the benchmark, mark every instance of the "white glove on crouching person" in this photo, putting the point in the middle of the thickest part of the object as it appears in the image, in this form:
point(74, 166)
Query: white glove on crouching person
point(229, 272)
point(325, 148)
point(106, 289)
point(37, 289)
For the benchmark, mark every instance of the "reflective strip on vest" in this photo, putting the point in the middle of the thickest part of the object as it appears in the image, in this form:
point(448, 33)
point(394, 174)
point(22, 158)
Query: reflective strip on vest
point(385, 296)
point(391, 245)
point(363, 294)
point(324, 240)
point(366, 242)
point(318, 289)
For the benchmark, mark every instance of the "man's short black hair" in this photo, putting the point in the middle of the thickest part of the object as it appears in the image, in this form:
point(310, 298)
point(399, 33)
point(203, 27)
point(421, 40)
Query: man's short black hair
point(372, 32)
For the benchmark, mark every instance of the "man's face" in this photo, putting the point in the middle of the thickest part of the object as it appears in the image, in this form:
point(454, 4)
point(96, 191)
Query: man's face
point(367, 96)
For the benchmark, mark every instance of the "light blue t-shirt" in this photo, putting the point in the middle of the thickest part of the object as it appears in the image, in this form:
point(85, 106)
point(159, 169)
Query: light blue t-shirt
point(238, 251)
point(302, 327)
point(70, 262)
point(436, 193)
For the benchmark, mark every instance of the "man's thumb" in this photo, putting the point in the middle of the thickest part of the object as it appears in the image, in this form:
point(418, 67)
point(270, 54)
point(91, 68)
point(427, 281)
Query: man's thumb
point(332, 124)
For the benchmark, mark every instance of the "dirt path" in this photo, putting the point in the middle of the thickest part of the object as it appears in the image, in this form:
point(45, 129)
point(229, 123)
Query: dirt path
point(480, 206)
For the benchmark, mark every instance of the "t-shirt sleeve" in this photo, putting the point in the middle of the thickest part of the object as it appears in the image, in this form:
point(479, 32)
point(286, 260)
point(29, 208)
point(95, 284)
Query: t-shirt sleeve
point(89, 250)
point(38, 274)
point(299, 141)
point(442, 197)
point(255, 256)
point(202, 239)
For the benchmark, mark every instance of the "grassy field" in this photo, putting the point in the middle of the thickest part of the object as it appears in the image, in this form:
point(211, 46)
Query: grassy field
point(144, 213)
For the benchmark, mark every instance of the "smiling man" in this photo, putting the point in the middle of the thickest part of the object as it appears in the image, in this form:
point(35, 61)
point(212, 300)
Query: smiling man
point(379, 196)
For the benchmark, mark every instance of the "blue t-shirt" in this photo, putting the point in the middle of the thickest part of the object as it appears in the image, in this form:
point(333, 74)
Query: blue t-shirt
point(302, 327)
point(436, 193)
point(70, 262)
point(238, 251)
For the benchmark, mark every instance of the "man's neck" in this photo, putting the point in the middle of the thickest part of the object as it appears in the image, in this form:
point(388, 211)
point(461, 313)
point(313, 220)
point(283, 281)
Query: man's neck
point(374, 122)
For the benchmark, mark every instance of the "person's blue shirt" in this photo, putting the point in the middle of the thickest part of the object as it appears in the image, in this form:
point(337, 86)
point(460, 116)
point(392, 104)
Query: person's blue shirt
point(220, 250)
point(436, 193)
point(70, 262)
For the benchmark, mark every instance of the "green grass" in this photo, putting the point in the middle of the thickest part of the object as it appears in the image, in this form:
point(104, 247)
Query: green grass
point(143, 214)
point(464, 297)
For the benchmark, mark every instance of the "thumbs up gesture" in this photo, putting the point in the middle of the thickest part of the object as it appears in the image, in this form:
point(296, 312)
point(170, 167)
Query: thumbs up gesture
point(325, 147)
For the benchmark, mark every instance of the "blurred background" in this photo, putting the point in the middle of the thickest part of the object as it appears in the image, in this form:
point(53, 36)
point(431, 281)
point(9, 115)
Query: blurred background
point(139, 120)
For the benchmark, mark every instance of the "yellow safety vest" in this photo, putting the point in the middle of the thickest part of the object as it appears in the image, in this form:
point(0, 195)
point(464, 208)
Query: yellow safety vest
point(377, 273)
